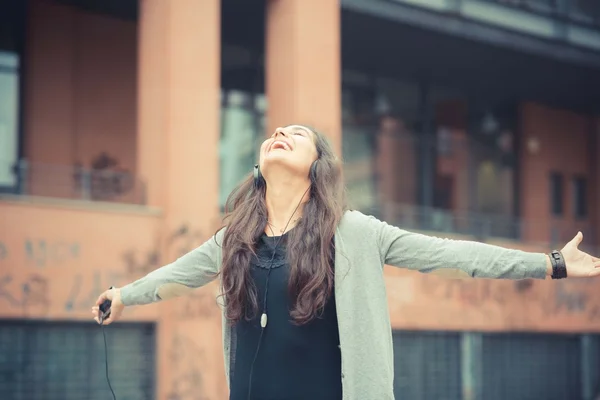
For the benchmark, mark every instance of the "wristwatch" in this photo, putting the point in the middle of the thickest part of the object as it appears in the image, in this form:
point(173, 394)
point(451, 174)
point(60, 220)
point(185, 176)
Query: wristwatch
point(559, 268)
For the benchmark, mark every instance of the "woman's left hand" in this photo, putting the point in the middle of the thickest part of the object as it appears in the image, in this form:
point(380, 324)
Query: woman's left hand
point(579, 264)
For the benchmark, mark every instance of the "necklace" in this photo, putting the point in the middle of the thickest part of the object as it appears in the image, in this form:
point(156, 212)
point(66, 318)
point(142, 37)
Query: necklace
point(281, 231)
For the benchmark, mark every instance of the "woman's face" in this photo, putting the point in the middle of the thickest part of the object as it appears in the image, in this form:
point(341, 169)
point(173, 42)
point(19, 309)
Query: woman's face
point(292, 147)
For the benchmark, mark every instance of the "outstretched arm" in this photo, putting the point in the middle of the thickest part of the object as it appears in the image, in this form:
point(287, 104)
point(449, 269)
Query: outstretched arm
point(479, 260)
point(424, 253)
point(193, 270)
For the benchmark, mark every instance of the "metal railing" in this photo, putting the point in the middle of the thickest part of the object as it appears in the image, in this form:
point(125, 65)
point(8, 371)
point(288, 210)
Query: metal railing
point(579, 11)
point(479, 225)
point(76, 182)
point(484, 227)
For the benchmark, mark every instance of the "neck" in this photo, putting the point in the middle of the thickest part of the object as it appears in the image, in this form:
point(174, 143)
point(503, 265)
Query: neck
point(284, 201)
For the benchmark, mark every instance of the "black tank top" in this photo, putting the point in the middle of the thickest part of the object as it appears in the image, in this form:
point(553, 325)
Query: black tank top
point(294, 362)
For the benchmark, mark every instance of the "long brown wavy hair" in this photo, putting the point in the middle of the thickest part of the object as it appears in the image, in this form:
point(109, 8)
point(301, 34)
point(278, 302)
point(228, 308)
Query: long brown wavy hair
point(309, 246)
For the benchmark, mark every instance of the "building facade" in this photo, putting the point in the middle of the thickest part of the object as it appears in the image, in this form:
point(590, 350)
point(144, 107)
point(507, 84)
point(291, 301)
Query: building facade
point(125, 124)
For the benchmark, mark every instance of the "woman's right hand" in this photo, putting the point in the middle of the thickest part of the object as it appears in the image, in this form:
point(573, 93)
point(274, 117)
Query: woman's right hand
point(116, 307)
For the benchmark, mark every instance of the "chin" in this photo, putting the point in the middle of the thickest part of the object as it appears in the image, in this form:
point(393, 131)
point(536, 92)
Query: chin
point(278, 162)
point(277, 157)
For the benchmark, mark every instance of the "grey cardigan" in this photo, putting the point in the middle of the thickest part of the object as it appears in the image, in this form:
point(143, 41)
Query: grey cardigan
point(363, 245)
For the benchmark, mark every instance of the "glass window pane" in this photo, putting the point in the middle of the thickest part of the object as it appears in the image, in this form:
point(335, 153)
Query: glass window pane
point(9, 102)
point(242, 122)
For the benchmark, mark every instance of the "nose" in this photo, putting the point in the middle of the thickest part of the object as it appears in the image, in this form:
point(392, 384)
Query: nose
point(280, 131)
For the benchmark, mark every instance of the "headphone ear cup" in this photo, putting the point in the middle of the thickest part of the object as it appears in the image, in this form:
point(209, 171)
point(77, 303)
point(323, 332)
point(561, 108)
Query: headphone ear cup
point(258, 179)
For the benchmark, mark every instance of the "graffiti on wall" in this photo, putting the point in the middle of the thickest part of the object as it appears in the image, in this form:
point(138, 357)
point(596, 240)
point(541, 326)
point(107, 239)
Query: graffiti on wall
point(184, 239)
point(43, 253)
point(139, 264)
point(27, 289)
point(29, 295)
point(563, 299)
point(571, 299)
point(105, 180)
point(200, 303)
point(83, 290)
point(39, 264)
point(466, 292)
point(187, 359)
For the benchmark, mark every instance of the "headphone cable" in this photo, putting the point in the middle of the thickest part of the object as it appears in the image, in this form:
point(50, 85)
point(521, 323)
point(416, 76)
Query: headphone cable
point(106, 363)
point(264, 313)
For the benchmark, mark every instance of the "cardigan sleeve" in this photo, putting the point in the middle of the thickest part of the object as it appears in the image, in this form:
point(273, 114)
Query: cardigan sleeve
point(193, 270)
point(424, 253)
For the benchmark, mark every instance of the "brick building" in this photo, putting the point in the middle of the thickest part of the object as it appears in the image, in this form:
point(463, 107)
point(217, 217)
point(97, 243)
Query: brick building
point(124, 124)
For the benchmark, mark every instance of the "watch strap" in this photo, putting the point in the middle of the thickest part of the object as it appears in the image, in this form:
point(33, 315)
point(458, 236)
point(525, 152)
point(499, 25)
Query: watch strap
point(559, 267)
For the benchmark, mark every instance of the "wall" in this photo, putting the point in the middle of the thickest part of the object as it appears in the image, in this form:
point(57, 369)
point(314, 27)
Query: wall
point(436, 303)
point(55, 259)
point(80, 95)
point(552, 140)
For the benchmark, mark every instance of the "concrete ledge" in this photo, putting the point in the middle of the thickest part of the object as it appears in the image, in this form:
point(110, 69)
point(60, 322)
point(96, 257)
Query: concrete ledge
point(72, 204)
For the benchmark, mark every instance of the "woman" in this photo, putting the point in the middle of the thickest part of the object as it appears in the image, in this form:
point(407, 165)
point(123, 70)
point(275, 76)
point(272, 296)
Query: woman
point(302, 278)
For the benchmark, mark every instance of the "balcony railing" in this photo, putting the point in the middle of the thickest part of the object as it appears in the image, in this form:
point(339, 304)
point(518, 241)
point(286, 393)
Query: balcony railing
point(76, 182)
point(474, 224)
point(472, 187)
point(578, 11)
point(487, 226)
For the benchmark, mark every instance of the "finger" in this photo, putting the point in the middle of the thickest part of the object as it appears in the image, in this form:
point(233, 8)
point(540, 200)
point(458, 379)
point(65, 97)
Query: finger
point(102, 298)
point(108, 321)
point(596, 271)
point(577, 239)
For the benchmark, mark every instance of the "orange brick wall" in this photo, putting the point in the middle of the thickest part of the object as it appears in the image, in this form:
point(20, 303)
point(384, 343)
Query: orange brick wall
point(552, 140)
point(75, 61)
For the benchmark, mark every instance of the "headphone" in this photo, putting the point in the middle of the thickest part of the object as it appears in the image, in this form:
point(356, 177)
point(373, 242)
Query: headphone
point(259, 180)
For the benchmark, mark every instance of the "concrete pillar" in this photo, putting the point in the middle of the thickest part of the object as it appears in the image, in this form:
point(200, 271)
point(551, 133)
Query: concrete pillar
point(303, 76)
point(152, 99)
point(590, 380)
point(178, 138)
point(471, 368)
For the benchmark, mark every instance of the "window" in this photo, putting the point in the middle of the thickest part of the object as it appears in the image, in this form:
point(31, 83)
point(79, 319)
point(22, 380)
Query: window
point(359, 147)
point(516, 366)
point(9, 94)
point(427, 365)
point(242, 131)
point(556, 194)
point(66, 361)
point(580, 197)
point(11, 30)
point(491, 170)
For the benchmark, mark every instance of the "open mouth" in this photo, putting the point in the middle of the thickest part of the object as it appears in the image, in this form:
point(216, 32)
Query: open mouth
point(280, 144)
